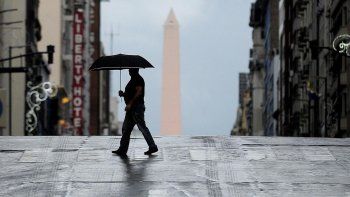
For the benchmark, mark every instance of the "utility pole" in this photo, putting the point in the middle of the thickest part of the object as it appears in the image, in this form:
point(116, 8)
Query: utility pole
point(111, 39)
point(112, 34)
point(10, 93)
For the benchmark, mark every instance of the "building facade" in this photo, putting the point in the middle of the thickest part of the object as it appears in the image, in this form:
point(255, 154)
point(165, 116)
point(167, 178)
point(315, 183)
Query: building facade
point(313, 84)
point(243, 124)
point(270, 14)
point(243, 86)
point(264, 66)
point(74, 28)
point(20, 31)
point(338, 103)
point(257, 70)
point(306, 84)
point(28, 27)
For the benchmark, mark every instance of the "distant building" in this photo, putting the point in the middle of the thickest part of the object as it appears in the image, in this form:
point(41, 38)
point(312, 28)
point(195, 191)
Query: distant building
point(51, 14)
point(243, 86)
point(264, 66)
point(242, 125)
point(243, 122)
point(257, 70)
point(270, 14)
point(114, 121)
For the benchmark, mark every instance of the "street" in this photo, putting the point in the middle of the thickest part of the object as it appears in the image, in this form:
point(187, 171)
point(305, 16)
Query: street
point(184, 166)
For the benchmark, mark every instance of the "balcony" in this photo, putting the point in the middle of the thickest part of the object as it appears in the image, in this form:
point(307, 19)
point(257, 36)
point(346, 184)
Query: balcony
point(303, 37)
point(300, 6)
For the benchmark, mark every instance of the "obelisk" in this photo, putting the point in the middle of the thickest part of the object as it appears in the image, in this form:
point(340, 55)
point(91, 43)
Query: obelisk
point(171, 105)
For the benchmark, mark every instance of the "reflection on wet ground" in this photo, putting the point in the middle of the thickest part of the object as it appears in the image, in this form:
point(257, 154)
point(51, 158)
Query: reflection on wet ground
point(184, 166)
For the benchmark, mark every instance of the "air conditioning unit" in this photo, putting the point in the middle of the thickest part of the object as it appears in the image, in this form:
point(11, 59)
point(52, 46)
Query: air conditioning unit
point(3, 107)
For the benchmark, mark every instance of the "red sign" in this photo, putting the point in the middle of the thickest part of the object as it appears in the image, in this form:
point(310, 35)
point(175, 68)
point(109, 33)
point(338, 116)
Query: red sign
point(78, 71)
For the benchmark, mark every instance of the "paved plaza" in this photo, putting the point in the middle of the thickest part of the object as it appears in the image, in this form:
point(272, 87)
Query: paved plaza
point(184, 166)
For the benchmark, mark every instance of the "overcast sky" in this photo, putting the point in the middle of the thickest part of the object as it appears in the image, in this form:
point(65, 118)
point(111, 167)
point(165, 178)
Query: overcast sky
point(214, 47)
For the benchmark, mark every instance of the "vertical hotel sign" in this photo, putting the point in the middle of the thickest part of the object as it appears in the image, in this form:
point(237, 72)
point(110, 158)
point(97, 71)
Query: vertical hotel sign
point(78, 70)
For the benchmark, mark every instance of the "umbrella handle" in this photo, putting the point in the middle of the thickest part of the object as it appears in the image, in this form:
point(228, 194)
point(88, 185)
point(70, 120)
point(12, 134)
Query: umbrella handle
point(120, 83)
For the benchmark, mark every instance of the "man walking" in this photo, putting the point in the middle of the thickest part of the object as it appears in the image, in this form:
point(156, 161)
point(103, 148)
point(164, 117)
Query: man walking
point(135, 109)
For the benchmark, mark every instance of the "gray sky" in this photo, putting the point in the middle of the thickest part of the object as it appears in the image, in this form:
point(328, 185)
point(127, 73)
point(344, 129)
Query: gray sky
point(214, 47)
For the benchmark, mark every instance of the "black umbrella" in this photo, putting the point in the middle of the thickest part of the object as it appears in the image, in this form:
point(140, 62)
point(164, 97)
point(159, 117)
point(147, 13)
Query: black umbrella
point(120, 62)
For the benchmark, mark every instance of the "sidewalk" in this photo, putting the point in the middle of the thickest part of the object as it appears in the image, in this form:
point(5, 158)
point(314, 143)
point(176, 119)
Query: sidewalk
point(184, 166)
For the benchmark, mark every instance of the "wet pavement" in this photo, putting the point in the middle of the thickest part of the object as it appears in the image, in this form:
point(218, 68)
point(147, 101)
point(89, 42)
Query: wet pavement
point(184, 166)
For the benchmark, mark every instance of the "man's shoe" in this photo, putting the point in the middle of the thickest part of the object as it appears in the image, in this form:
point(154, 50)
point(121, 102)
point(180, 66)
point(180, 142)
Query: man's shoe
point(151, 150)
point(120, 153)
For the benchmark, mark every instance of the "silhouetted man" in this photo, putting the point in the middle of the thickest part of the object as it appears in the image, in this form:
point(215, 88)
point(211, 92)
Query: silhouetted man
point(135, 109)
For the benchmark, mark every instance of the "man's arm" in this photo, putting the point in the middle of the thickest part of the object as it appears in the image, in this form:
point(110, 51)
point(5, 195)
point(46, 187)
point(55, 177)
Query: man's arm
point(132, 101)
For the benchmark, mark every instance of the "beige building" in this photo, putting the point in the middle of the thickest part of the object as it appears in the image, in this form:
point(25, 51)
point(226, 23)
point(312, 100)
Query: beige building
point(56, 20)
point(19, 31)
point(257, 73)
point(50, 16)
point(171, 101)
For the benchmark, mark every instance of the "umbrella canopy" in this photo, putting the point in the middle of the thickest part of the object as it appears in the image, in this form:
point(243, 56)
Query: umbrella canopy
point(120, 62)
